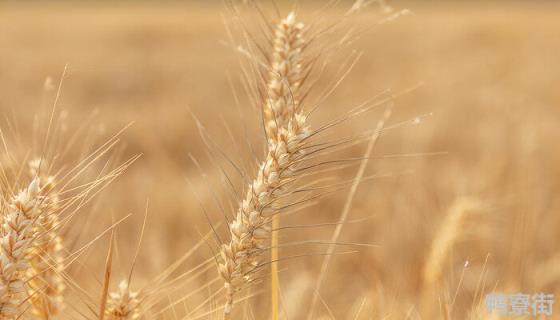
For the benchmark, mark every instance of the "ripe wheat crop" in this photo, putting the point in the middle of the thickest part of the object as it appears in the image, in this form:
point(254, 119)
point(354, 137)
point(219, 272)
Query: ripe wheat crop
point(262, 160)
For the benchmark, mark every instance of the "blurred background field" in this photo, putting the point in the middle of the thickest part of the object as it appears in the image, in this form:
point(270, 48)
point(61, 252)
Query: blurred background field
point(491, 82)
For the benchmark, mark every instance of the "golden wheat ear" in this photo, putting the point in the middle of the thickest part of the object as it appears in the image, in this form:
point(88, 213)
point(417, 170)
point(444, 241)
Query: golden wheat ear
point(285, 76)
point(46, 285)
point(242, 257)
point(123, 304)
point(19, 223)
point(256, 223)
point(282, 103)
point(285, 126)
point(443, 242)
point(288, 176)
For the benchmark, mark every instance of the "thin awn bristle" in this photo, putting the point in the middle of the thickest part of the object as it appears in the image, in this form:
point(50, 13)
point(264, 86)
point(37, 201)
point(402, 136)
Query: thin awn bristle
point(123, 304)
point(46, 285)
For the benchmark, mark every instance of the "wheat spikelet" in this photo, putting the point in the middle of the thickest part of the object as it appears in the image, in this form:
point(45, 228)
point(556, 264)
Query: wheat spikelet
point(123, 304)
point(250, 230)
point(46, 285)
point(286, 75)
point(18, 233)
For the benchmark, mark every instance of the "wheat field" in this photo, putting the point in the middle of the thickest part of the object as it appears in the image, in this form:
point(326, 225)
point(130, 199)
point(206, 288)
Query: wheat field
point(124, 192)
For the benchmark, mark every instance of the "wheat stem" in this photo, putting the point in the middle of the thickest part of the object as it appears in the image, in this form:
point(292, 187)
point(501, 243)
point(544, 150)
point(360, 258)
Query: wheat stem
point(275, 284)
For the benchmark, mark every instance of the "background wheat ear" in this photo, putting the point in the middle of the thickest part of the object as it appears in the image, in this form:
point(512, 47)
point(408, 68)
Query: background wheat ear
point(458, 214)
point(242, 257)
point(123, 304)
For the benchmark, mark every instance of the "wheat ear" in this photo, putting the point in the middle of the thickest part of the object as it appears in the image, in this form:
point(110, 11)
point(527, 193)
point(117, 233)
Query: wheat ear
point(283, 86)
point(286, 75)
point(250, 231)
point(446, 238)
point(442, 244)
point(18, 233)
point(46, 285)
point(123, 304)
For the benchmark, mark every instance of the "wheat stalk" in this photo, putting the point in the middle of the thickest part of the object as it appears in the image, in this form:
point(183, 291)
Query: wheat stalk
point(123, 304)
point(46, 285)
point(250, 231)
point(18, 233)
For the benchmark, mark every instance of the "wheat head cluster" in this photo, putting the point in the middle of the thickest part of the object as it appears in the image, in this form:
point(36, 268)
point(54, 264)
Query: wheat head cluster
point(50, 185)
point(38, 205)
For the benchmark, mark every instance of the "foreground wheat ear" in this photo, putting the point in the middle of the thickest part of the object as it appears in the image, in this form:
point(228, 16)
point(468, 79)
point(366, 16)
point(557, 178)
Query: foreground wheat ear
point(250, 230)
point(286, 75)
point(18, 233)
point(46, 285)
point(286, 130)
